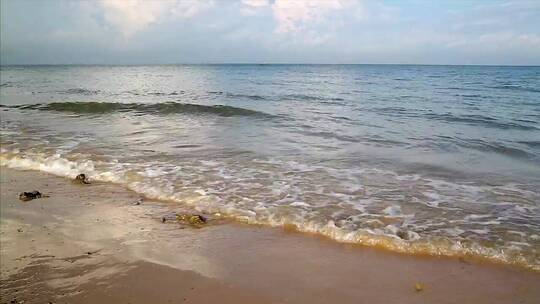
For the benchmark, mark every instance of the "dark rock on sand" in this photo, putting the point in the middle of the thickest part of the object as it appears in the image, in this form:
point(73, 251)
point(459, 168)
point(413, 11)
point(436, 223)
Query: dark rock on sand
point(81, 179)
point(403, 234)
point(26, 196)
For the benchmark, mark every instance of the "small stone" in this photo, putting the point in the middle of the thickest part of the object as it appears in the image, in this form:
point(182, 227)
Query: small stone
point(163, 219)
point(27, 196)
point(418, 287)
point(402, 234)
point(81, 179)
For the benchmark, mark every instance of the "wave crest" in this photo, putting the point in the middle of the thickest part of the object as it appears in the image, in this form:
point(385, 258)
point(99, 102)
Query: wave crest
point(146, 108)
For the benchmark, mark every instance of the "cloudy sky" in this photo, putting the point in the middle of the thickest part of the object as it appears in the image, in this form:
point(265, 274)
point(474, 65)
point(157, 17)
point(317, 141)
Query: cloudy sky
point(270, 31)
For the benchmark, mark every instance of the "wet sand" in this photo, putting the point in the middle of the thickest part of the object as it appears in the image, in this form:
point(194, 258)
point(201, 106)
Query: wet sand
point(93, 244)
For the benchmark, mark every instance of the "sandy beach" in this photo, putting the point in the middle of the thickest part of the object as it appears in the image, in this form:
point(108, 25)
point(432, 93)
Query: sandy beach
point(95, 244)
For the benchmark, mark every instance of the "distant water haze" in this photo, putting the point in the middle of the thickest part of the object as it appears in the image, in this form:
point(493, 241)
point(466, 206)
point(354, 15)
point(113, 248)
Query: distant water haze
point(420, 159)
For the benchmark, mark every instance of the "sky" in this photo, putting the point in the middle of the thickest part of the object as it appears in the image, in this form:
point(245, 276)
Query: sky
point(270, 31)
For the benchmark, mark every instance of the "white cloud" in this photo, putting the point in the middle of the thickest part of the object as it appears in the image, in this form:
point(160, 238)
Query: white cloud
point(188, 9)
point(252, 7)
point(294, 16)
point(507, 39)
point(132, 16)
point(256, 3)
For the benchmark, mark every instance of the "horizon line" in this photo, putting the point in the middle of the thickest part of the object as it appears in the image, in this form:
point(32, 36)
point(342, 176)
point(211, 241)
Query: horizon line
point(261, 63)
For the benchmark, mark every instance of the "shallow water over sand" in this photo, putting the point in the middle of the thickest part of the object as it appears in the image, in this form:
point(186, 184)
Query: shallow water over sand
point(443, 160)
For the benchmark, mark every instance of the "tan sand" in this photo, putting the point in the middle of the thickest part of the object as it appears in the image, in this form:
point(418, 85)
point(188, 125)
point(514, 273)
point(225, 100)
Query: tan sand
point(91, 244)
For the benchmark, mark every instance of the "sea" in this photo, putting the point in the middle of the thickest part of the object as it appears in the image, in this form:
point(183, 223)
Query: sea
point(436, 160)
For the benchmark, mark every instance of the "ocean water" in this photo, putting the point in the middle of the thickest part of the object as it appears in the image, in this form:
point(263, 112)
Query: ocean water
point(443, 160)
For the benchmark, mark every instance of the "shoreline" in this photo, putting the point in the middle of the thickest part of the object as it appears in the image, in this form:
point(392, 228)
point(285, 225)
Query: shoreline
point(422, 247)
point(84, 238)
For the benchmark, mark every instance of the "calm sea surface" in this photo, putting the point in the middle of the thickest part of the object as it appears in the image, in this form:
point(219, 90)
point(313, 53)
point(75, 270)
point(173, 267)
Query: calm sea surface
point(421, 159)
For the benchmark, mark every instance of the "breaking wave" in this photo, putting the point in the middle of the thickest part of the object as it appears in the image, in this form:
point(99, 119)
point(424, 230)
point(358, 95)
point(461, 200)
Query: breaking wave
point(147, 108)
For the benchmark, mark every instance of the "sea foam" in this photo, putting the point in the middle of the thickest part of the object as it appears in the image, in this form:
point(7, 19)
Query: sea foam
point(152, 186)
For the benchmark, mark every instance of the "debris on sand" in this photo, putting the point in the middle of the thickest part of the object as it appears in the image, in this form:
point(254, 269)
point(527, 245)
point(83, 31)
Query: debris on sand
point(418, 287)
point(192, 219)
point(27, 196)
point(81, 179)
